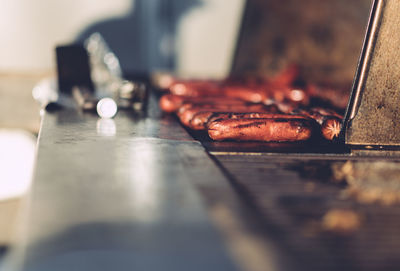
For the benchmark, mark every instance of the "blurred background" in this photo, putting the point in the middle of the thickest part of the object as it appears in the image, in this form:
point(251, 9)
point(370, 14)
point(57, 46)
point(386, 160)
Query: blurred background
point(146, 35)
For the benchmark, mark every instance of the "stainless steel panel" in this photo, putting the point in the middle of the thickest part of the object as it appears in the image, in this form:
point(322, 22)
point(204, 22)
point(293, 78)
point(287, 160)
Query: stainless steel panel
point(119, 194)
point(373, 113)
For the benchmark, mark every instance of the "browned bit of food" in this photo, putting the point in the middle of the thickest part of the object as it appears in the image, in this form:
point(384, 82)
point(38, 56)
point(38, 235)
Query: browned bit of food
point(341, 221)
point(331, 128)
point(267, 130)
point(372, 182)
point(340, 171)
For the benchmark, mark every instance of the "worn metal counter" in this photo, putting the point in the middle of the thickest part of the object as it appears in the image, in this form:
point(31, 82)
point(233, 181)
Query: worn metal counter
point(122, 194)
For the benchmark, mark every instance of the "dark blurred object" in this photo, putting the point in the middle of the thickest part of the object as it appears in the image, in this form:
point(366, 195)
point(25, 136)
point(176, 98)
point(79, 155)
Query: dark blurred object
point(107, 74)
point(144, 40)
point(75, 78)
point(73, 68)
point(92, 75)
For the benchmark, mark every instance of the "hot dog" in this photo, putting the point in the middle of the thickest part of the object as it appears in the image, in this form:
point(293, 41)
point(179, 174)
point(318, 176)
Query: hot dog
point(186, 114)
point(171, 103)
point(325, 112)
point(317, 113)
point(297, 96)
point(252, 115)
point(330, 121)
point(195, 88)
point(266, 129)
point(253, 95)
point(286, 77)
point(200, 119)
point(336, 97)
point(331, 127)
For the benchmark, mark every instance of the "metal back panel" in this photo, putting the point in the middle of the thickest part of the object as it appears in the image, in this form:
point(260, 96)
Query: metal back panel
point(322, 37)
point(373, 113)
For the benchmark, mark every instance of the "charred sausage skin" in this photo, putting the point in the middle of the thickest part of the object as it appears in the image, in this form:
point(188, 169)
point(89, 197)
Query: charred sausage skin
point(265, 129)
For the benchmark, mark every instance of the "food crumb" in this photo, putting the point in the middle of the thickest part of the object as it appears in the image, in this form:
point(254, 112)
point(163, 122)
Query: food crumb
point(309, 187)
point(341, 221)
point(370, 182)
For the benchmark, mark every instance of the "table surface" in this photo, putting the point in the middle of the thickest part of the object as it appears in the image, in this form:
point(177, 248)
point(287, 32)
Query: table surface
point(135, 191)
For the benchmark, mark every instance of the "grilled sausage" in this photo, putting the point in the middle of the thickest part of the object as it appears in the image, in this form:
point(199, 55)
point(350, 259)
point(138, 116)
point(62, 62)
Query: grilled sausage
point(330, 121)
point(336, 97)
point(253, 95)
point(195, 88)
point(317, 113)
point(319, 118)
point(331, 127)
point(297, 96)
point(186, 114)
point(325, 112)
point(266, 129)
point(209, 106)
point(286, 77)
point(171, 102)
point(200, 119)
point(252, 115)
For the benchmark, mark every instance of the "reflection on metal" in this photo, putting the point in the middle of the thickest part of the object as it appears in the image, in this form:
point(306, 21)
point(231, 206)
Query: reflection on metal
point(125, 202)
point(373, 114)
point(148, 191)
point(105, 65)
point(106, 127)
